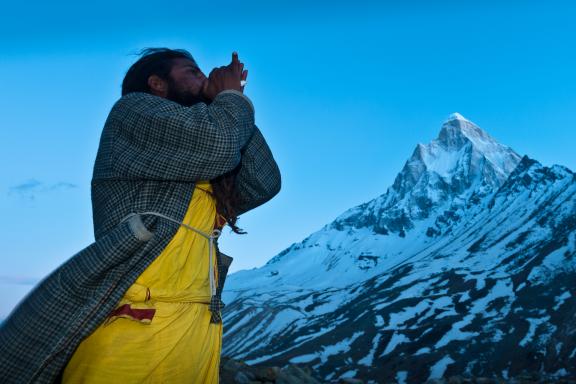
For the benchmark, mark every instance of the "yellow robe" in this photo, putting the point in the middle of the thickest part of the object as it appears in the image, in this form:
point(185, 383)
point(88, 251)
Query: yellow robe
point(178, 344)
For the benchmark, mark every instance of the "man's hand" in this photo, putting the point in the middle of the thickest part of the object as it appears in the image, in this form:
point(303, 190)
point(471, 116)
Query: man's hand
point(226, 77)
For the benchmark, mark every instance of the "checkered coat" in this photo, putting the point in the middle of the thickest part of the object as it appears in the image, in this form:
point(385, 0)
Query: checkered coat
point(151, 153)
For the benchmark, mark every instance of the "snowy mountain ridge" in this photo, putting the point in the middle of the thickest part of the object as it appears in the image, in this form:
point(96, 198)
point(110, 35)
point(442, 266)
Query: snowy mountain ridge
point(468, 256)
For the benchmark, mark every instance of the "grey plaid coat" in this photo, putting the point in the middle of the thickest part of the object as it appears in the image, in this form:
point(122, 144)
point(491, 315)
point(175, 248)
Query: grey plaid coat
point(151, 153)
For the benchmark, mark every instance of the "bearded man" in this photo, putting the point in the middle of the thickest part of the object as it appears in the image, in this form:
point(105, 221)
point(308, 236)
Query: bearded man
point(179, 158)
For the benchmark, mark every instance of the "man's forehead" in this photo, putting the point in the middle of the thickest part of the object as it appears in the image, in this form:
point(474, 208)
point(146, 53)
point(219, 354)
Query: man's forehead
point(183, 62)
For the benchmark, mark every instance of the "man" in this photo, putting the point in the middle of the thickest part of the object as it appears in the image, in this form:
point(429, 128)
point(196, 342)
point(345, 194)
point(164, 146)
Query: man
point(172, 128)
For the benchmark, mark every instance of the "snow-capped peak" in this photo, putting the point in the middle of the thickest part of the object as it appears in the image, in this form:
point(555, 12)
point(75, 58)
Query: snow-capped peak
point(458, 131)
point(462, 157)
point(458, 134)
point(456, 116)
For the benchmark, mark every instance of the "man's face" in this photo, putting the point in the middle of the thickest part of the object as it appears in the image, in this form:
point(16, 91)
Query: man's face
point(185, 83)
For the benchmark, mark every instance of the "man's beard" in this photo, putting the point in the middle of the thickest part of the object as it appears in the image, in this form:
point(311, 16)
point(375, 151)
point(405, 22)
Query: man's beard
point(182, 97)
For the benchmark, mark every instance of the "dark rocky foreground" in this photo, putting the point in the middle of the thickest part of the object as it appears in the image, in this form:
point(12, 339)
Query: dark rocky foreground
point(238, 372)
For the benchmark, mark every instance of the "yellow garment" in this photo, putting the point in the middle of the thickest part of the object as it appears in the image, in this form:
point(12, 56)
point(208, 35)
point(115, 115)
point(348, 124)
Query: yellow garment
point(179, 344)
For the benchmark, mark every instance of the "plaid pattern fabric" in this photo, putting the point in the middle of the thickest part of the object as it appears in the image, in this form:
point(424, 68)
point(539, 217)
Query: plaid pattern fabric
point(216, 304)
point(151, 153)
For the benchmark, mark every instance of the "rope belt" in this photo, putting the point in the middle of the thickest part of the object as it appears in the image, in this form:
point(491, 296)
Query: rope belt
point(215, 302)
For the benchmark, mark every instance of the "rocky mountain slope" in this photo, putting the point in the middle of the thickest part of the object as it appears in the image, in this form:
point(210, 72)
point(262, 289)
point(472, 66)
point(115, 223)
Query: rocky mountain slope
point(465, 266)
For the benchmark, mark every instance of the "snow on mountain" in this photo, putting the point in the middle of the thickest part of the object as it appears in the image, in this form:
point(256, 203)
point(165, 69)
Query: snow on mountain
point(464, 266)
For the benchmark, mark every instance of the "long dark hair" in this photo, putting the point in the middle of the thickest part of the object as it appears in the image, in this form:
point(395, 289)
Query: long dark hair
point(153, 61)
point(159, 61)
point(227, 198)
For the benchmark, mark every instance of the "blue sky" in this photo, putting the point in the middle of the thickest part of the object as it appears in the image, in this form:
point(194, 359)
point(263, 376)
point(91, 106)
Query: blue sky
point(343, 93)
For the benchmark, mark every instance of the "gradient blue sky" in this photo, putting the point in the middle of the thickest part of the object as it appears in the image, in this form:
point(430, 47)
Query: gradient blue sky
point(343, 93)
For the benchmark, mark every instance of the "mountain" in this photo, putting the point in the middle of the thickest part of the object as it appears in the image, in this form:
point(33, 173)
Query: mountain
point(465, 266)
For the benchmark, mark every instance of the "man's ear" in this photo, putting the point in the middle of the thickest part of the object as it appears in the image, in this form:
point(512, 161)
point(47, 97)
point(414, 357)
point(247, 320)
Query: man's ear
point(158, 86)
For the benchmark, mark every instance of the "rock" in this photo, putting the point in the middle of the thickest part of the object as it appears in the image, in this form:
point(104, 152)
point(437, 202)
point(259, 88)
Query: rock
point(350, 381)
point(269, 373)
point(292, 374)
point(485, 380)
point(238, 372)
point(455, 380)
point(243, 378)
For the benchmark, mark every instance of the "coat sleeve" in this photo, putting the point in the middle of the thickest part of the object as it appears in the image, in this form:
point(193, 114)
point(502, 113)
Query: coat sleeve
point(157, 139)
point(259, 178)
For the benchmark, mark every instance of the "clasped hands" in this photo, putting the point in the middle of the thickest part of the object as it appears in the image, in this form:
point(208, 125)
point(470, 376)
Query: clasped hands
point(225, 78)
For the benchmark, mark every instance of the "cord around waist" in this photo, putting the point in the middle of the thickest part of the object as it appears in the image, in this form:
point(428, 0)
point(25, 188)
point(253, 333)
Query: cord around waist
point(139, 293)
point(215, 304)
